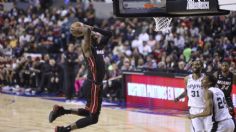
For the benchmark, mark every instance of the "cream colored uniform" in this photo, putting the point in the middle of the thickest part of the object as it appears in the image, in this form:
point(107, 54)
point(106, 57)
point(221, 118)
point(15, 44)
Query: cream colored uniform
point(221, 117)
point(196, 103)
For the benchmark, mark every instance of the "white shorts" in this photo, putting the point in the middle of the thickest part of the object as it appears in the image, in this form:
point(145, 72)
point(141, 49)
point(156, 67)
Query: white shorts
point(224, 126)
point(200, 124)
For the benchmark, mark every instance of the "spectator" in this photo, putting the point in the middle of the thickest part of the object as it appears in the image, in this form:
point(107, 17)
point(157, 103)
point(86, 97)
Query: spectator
point(187, 53)
point(55, 77)
point(70, 63)
point(45, 70)
point(136, 43)
point(150, 63)
point(126, 65)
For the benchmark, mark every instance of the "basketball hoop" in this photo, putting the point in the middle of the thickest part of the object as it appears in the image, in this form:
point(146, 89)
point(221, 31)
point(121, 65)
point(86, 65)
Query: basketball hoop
point(162, 24)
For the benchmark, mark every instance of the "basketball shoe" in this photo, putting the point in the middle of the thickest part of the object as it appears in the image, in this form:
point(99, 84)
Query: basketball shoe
point(61, 129)
point(56, 112)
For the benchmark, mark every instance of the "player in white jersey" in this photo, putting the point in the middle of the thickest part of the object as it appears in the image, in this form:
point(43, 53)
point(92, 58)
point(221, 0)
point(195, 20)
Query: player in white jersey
point(215, 104)
point(196, 101)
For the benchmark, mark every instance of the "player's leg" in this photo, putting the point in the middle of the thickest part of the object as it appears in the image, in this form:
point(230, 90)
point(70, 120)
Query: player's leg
point(230, 126)
point(59, 110)
point(92, 119)
point(223, 126)
point(208, 124)
point(87, 92)
point(93, 94)
point(96, 98)
point(197, 123)
point(81, 123)
point(231, 109)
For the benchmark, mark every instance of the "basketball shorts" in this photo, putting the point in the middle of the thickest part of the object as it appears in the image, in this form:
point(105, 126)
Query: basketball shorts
point(200, 124)
point(223, 126)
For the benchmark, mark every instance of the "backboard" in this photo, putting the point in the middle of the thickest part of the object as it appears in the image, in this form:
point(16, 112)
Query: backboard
point(166, 8)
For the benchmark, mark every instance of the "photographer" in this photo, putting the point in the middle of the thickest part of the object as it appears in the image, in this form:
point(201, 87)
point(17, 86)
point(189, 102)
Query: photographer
point(27, 72)
point(35, 74)
point(70, 63)
point(45, 70)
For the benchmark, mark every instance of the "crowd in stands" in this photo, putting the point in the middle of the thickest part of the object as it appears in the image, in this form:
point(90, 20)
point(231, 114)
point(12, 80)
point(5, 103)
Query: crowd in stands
point(135, 46)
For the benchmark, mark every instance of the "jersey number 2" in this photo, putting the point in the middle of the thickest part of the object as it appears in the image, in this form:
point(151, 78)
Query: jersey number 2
point(221, 102)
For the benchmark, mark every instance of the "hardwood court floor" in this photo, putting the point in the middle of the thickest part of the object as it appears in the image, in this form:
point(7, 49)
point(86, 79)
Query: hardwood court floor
point(27, 114)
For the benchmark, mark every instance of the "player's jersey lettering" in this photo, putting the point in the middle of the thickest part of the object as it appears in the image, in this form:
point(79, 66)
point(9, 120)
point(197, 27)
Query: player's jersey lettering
point(100, 52)
point(225, 83)
point(194, 86)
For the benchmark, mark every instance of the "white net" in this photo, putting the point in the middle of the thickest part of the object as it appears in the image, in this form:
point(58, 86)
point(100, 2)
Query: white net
point(162, 24)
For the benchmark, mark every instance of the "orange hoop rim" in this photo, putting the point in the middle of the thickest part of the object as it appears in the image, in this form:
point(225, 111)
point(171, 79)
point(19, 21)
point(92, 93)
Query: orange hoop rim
point(149, 5)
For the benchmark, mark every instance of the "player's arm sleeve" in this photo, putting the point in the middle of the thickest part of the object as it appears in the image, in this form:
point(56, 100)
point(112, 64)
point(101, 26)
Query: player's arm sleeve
point(208, 105)
point(103, 32)
point(106, 35)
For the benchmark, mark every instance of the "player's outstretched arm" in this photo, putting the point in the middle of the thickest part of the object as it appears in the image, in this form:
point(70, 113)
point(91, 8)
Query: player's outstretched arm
point(181, 96)
point(208, 106)
point(184, 94)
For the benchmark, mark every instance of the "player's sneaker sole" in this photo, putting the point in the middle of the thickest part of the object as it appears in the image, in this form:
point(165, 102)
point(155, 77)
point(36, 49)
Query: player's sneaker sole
point(55, 113)
point(60, 129)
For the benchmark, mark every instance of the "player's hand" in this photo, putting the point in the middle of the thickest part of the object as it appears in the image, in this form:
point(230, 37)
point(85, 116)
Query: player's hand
point(231, 111)
point(190, 116)
point(86, 30)
point(176, 99)
point(90, 27)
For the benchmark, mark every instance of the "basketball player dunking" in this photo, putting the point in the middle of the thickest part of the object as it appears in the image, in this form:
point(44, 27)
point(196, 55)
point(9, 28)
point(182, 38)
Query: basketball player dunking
point(94, 41)
point(215, 103)
point(196, 100)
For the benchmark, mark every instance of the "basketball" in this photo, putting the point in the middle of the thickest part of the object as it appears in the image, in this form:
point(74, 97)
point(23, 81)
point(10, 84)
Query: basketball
point(76, 29)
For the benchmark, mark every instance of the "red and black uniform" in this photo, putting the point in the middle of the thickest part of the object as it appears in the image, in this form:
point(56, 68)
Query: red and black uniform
point(225, 84)
point(96, 73)
point(93, 83)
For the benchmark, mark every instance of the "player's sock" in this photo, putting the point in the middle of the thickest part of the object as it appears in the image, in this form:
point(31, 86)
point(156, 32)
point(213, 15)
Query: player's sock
point(65, 111)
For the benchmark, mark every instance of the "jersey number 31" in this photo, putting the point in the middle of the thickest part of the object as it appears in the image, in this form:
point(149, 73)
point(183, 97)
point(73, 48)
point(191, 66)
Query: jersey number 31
point(195, 93)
